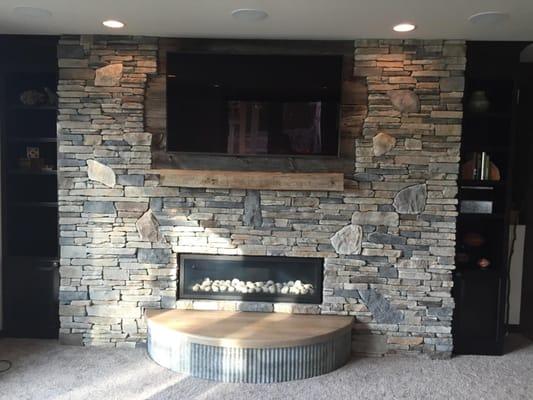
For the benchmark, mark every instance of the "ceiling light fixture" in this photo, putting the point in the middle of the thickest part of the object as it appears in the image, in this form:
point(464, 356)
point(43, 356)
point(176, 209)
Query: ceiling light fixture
point(404, 27)
point(488, 17)
point(249, 14)
point(113, 23)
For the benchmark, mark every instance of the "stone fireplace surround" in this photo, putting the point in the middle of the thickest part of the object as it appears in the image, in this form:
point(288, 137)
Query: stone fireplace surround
point(387, 240)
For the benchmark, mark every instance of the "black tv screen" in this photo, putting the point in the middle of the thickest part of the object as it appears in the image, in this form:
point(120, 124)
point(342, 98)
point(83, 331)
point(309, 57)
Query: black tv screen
point(253, 104)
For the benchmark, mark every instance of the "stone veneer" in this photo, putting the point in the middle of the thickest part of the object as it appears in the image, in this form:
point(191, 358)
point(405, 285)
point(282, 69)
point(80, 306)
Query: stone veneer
point(393, 228)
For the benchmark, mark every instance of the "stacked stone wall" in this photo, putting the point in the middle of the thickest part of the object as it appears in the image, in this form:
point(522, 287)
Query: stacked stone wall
point(387, 240)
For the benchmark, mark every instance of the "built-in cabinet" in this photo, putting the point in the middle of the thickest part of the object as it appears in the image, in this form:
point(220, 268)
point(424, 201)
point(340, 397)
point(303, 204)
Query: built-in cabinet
point(481, 280)
point(29, 187)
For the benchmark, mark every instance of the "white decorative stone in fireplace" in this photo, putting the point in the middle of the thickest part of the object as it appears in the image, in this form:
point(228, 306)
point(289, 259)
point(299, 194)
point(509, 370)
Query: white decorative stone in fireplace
point(251, 278)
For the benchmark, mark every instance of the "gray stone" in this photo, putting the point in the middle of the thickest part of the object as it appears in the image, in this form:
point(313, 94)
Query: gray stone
point(138, 138)
point(111, 310)
point(366, 177)
point(116, 274)
point(385, 238)
point(73, 252)
point(104, 294)
point(451, 50)
point(375, 218)
point(252, 209)
point(348, 240)
point(65, 295)
point(380, 307)
point(413, 144)
point(411, 200)
point(130, 180)
point(374, 345)
point(99, 207)
point(452, 84)
point(404, 100)
point(101, 173)
point(153, 256)
point(148, 227)
point(156, 204)
point(383, 143)
point(70, 51)
point(388, 271)
point(110, 75)
point(252, 306)
point(71, 339)
point(442, 313)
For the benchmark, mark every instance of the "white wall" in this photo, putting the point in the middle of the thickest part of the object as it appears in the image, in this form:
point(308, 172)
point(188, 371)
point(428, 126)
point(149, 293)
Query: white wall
point(516, 267)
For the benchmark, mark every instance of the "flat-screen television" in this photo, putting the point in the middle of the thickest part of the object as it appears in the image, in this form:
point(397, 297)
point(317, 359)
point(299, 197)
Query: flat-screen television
point(254, 104)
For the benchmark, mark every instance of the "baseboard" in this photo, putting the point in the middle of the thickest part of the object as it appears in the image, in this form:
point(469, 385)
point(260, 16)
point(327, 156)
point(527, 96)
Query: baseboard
point(512, 328)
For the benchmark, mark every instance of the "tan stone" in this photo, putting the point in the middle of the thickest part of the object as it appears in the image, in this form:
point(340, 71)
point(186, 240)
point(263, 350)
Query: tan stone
point(101, 173)
point(148, 227)
point(405, 341)
point(404, 100)
point(383, 143)
point(109, 75)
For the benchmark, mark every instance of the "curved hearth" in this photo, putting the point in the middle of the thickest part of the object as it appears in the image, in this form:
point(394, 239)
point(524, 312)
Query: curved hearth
point(248, 347)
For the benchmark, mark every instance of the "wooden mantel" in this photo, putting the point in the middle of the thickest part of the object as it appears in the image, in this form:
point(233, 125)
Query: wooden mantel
point(260, 180)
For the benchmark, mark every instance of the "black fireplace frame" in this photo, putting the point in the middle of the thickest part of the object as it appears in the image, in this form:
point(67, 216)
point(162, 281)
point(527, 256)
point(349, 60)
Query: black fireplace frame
point(316, 263)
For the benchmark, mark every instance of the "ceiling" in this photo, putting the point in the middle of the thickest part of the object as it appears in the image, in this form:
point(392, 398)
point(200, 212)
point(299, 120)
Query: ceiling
point(288, 19)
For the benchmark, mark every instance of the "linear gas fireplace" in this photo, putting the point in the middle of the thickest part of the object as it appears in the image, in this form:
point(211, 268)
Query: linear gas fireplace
point(251, 278)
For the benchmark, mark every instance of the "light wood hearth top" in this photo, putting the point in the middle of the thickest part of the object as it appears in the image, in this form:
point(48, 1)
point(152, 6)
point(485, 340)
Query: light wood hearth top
point(320, 181)
point(249, 329)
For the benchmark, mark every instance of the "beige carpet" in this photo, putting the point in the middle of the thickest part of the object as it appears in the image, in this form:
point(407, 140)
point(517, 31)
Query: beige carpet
point(43, 369)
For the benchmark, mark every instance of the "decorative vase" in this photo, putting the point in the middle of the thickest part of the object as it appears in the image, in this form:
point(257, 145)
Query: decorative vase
point(479, 102)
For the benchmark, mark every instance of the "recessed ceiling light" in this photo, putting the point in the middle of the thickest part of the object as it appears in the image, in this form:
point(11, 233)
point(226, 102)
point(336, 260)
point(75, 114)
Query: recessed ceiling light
point(404, 27)
point(113, 23)
point(249, 14)
point(31, 12)
point(488, 17)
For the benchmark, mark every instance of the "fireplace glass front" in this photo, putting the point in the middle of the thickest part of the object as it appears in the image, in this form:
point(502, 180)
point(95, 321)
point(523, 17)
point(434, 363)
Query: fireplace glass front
point(251, 278)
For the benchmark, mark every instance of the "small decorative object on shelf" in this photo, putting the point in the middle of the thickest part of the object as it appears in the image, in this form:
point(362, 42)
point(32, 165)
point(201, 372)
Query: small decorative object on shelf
point(38, 97)
point(483, 263)
point(474, 239)
point(52, 96)
point(462, 258)
point(480, 167)
point(475, 207)
point(32, 152)
point(484, 166)
point(33, 98)
point(33, 160)
point(478, 103)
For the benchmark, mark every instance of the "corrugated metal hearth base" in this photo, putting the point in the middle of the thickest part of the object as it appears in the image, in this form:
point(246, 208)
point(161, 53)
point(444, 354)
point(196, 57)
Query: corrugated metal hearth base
point(223, 363)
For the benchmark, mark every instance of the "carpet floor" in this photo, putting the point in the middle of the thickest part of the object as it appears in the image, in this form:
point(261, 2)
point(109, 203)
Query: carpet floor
point(43, 369)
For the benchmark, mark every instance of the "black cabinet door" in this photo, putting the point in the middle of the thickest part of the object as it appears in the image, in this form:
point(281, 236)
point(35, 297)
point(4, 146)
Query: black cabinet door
point(478, 316)
point(31, 287)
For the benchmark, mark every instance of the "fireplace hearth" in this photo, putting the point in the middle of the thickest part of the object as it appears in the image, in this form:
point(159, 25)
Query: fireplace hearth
point(251, 278)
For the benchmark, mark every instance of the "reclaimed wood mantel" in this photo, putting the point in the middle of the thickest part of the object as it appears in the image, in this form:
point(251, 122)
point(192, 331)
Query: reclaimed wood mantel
point(260, 180)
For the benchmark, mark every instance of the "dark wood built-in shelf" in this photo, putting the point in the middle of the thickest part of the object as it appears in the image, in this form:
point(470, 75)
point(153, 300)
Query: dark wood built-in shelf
point(30, 239)
point(480, 293)
point(33, 108)
point(32, 140)
point(32, 172)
